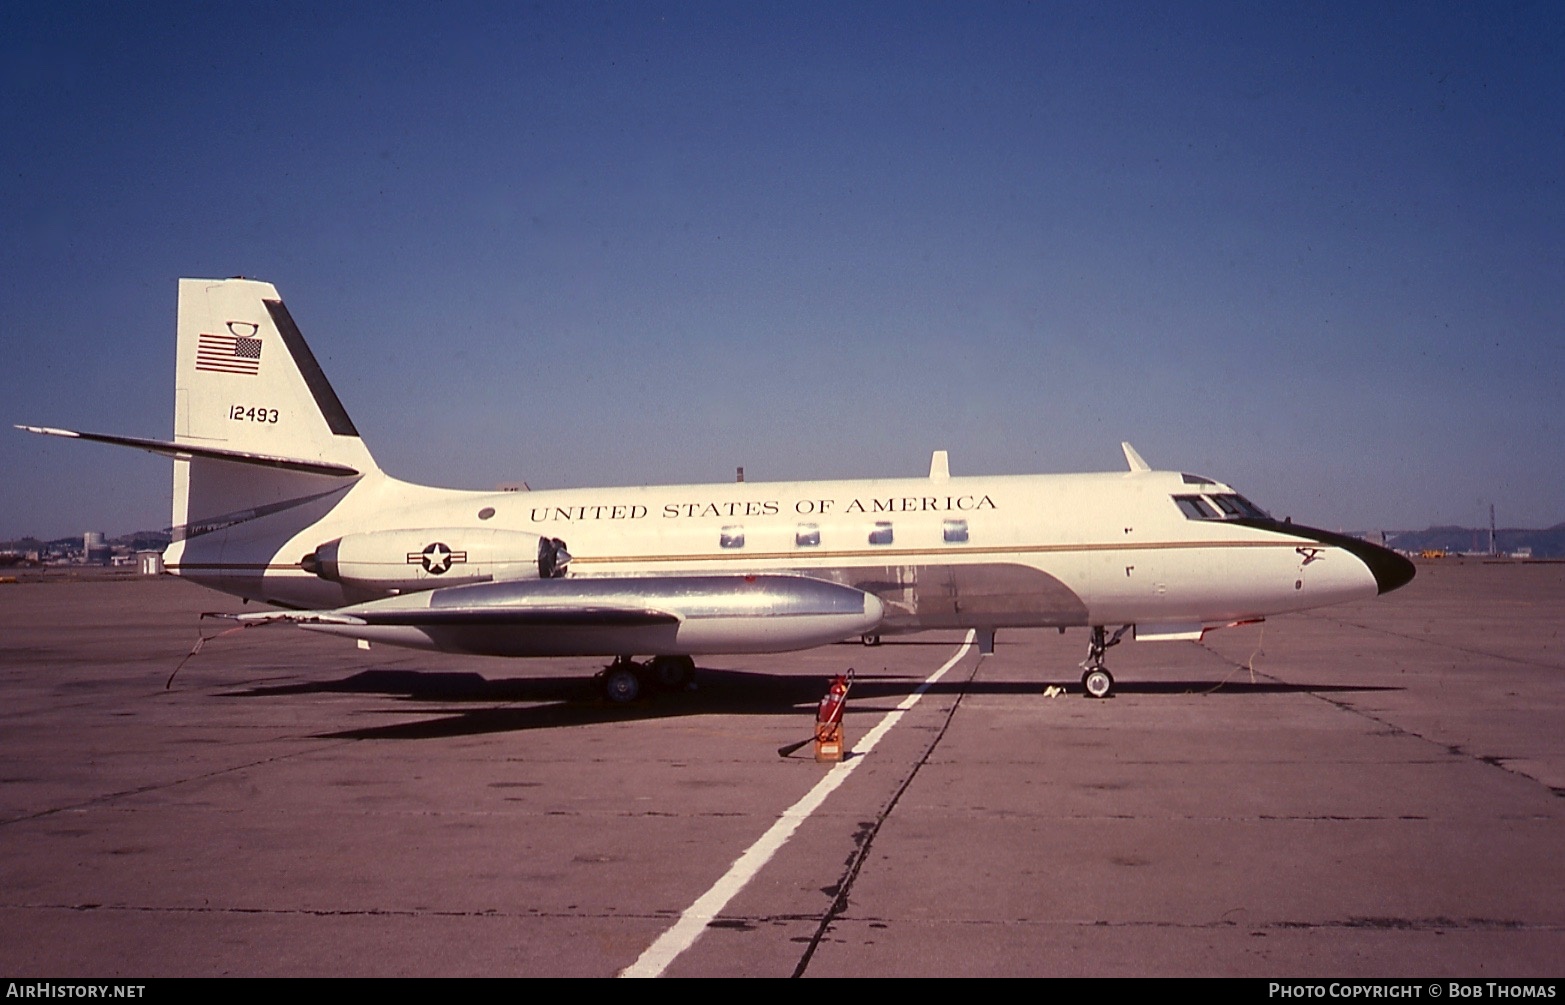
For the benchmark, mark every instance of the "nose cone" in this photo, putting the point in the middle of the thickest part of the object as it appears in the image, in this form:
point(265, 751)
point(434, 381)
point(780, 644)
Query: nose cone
point(1389, 569)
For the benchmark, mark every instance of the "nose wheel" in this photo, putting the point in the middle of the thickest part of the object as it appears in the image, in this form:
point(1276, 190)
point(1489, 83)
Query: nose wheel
point(1095, 677)
point(1097, 683)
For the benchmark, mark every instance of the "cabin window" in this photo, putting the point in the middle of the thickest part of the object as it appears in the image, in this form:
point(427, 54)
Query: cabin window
point(954, 531)
point(807, 535)
point(881, 534)
point(731, 537)
point(486, 513)
point(1196, 508)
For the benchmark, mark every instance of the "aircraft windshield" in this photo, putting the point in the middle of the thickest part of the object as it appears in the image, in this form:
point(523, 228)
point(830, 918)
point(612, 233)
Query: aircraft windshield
point(1219, 506)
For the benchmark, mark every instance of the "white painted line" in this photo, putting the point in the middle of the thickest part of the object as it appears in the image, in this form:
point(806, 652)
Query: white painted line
point(657, 957)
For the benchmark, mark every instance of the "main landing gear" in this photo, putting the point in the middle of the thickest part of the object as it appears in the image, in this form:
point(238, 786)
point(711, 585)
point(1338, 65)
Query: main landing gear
point(625, 680)
point(1095, 677)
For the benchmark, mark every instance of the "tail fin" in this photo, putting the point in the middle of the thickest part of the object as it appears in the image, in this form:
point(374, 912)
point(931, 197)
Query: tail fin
point(246, 381)
point(262, 447)
point(246, 386)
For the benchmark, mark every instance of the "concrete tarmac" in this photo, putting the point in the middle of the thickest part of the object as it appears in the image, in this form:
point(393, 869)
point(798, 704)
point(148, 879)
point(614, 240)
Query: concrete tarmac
point(1368, 790)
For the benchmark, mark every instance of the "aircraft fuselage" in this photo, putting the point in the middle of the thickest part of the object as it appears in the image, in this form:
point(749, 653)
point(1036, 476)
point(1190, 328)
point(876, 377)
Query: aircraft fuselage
point(1009, 551)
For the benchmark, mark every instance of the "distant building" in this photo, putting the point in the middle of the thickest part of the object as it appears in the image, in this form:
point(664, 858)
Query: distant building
point(94, 550)
point(150, 562)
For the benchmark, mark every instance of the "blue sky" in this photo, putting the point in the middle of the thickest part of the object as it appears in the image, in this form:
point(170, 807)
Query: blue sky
point(1317, 251)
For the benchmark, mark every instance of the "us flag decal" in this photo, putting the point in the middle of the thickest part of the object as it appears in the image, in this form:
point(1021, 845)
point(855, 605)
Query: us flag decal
point(228, 354)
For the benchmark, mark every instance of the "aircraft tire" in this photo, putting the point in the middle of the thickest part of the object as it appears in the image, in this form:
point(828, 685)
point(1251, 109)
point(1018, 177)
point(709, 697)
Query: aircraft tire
point(1098, 683)
point(621, 685)
point(673, 673)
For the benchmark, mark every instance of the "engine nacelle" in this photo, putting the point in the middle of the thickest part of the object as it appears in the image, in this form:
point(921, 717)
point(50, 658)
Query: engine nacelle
point(406, 561)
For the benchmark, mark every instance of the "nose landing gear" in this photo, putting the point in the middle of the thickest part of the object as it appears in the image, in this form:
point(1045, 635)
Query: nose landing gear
point(1095, 677)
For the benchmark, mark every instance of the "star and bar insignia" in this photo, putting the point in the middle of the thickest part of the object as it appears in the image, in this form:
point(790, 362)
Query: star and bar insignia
point(436, 558)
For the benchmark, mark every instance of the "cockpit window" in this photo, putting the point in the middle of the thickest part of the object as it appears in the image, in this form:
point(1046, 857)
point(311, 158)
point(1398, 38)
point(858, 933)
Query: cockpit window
point(1196, 508)
point(1218, 506)
point(1237, 505)
point(1196, 480)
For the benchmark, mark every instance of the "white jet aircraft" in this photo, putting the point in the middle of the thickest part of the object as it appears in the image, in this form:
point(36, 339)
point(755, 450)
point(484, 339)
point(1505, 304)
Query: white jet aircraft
point(276, 499)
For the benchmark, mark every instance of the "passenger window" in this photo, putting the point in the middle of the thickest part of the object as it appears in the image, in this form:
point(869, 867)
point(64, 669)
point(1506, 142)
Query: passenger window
point(881, 534)
point(731, 537)
point(1196, 508)
point(954, 531)
point(808, 535)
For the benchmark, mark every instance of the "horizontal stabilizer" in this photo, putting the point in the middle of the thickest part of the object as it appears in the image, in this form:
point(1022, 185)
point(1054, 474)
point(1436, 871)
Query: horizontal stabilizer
point(173, 449)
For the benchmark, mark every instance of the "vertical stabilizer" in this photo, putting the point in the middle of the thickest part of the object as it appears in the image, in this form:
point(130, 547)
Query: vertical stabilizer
point(246, 382)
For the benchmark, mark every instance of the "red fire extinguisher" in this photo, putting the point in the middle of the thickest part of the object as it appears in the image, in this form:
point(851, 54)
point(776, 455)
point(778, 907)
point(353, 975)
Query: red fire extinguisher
point(828, 718)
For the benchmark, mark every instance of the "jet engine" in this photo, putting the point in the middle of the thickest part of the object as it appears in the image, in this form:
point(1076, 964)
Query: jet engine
point(406, 561)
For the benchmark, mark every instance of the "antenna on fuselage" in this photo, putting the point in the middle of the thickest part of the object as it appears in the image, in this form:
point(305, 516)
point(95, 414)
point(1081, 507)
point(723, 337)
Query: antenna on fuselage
point(1134, 459)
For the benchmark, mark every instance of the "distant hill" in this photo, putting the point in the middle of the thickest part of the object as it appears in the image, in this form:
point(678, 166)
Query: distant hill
point(1546, 543)
point(144, 540)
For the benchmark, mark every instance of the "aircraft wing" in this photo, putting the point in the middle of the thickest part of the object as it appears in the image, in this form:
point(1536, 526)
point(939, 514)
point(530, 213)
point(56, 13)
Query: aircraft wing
point(288, 617)
point(530, 617)
point(606, 616)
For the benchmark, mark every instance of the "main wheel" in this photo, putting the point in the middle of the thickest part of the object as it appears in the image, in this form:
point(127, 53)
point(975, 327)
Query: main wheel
point(621, 684)
point(673, 673)
point(1098, 683)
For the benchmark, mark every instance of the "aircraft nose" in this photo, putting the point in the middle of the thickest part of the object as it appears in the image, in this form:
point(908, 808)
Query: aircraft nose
point(1391, 571)
point(1388, 569)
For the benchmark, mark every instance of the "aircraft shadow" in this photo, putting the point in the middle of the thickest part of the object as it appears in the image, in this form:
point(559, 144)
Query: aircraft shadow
point(563, 702)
